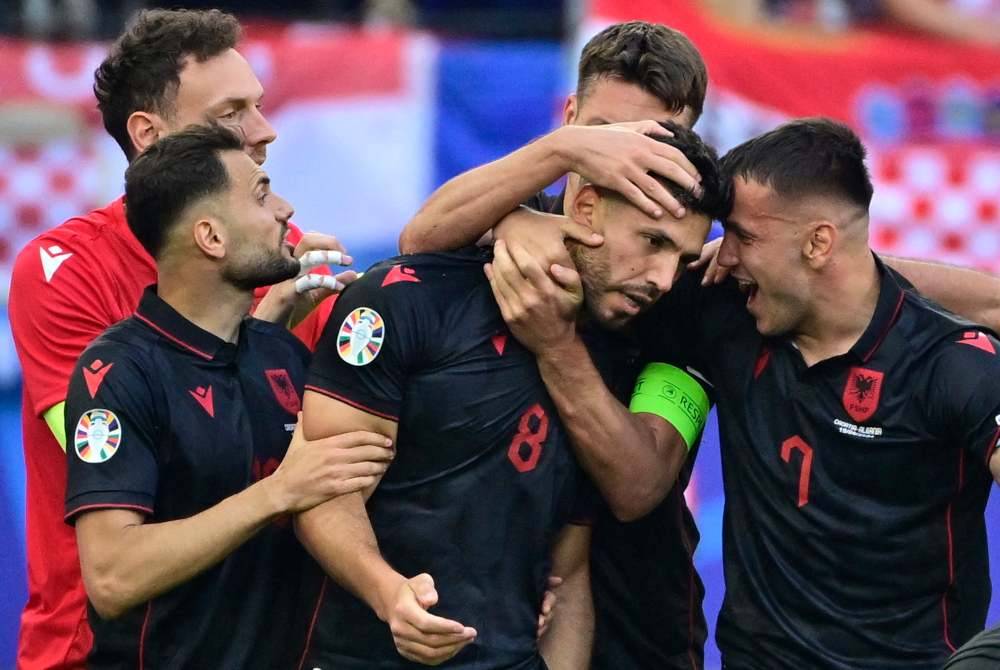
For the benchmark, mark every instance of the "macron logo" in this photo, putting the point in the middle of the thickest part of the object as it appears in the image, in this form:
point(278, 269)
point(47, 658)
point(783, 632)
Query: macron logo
point(52, 258)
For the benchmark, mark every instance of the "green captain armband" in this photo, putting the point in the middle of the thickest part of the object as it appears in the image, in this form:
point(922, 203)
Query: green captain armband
point(674, 396)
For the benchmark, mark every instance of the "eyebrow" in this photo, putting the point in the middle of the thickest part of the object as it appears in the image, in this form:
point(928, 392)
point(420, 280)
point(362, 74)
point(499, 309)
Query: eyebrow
point(235, 100)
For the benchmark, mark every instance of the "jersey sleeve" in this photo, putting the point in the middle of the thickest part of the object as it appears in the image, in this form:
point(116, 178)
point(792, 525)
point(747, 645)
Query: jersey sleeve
point(111, 430)
point(965, 392)
point(375, 336)
point(55, 312)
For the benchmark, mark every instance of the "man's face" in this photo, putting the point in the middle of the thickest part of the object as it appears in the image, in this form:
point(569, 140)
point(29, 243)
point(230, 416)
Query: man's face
point(639, 261)
point(256, 221)
point(762, 248)
point(224, 90)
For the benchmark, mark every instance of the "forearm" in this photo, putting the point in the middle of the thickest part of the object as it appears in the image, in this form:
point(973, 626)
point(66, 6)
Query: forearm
point(972, 294)
point(140, 561)
point(633, 467)
point(466, 207)
point(567, 644)
point(339, 536)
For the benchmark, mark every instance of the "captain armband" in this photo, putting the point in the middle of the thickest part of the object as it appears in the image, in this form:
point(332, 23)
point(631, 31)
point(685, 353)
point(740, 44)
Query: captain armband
point(674, 396)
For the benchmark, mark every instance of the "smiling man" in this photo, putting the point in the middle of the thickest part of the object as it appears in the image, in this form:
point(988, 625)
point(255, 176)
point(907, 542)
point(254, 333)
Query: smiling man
point(859, 424)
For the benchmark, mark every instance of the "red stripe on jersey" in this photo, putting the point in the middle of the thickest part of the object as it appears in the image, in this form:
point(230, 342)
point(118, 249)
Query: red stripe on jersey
point(352, 403)
point(84, 508)
point(951, 553)
point(312, 624)
point(888, 327)
point(173, 338)
point(142, 635)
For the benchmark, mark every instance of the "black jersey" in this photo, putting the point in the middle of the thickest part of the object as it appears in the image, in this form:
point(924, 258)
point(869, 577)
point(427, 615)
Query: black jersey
point(647, 593)
point(166, 419)
point(484, 477)
point(853, 531)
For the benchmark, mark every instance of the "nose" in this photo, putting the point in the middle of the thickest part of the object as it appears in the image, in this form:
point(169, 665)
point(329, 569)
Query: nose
point(283, 210)
point(258, 130)
point(729, 251)
point(663, 273)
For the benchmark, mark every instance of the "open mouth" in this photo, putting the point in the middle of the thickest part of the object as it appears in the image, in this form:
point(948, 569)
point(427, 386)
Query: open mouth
point(636, 302)
point(748, 287)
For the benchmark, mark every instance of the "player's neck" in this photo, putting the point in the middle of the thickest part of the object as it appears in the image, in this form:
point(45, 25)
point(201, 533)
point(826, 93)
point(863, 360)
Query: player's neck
point(843, 305)
point(206, 301)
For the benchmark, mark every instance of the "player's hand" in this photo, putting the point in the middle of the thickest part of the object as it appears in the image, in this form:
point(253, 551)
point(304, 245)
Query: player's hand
point(714, 273)
point(292, 300)
point(314, 471)
point(620, 156)
point(539, 309)
point(545, 235)
point(419, 635)
point(548, 605)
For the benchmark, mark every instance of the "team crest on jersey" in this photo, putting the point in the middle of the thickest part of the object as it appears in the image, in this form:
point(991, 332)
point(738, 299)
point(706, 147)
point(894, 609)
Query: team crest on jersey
point(361, 336)
point(861, 393)
point(284, 390)
point(98, 436)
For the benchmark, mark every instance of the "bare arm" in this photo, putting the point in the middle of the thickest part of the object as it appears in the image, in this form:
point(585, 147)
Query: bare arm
point(969, 293)
point(616, 156)
point(126, 561)
point(633, 458)
point(339, 535)
point(995, 467)
point(567, 644)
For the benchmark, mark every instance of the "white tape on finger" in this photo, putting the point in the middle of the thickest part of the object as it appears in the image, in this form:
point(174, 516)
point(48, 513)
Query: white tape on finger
point(311, 259)
point(309, 282)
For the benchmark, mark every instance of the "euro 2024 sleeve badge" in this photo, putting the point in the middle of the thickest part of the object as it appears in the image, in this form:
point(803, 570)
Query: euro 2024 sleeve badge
point(361, 336)
point(98, 436)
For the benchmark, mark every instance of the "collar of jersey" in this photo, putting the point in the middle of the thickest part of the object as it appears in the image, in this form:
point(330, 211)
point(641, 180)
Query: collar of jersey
point(890, 301)
point(179, 332)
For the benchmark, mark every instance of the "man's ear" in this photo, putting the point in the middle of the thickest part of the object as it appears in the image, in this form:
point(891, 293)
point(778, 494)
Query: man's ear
point(818, 244)
point(584, 206)
point(144, 129)
point(210, 237)
point(570, 110)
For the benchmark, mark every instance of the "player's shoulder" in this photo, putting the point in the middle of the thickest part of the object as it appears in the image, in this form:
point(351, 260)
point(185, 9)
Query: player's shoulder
point(80, 237)
point(404, 278)
point(954, 349)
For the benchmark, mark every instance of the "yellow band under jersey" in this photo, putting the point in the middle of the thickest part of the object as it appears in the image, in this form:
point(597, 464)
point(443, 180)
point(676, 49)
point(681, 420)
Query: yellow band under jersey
point(674, 396)
point(55, 417)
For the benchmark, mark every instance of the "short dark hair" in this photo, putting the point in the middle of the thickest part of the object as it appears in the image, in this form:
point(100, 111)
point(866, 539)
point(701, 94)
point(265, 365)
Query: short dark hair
point(660, 60)
point(173, 174)
point(714, 200)
point(813, 156)
point(142, 69)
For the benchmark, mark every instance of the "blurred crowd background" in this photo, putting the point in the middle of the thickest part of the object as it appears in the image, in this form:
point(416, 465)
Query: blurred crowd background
point(377, 102)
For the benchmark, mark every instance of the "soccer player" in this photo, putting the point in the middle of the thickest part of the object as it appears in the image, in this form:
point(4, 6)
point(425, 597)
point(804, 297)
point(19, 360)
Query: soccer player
point(643, 573)
point(179, 418)
point(859, 421)
point(647, 593)
point(169, 69)
point(484, 481)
